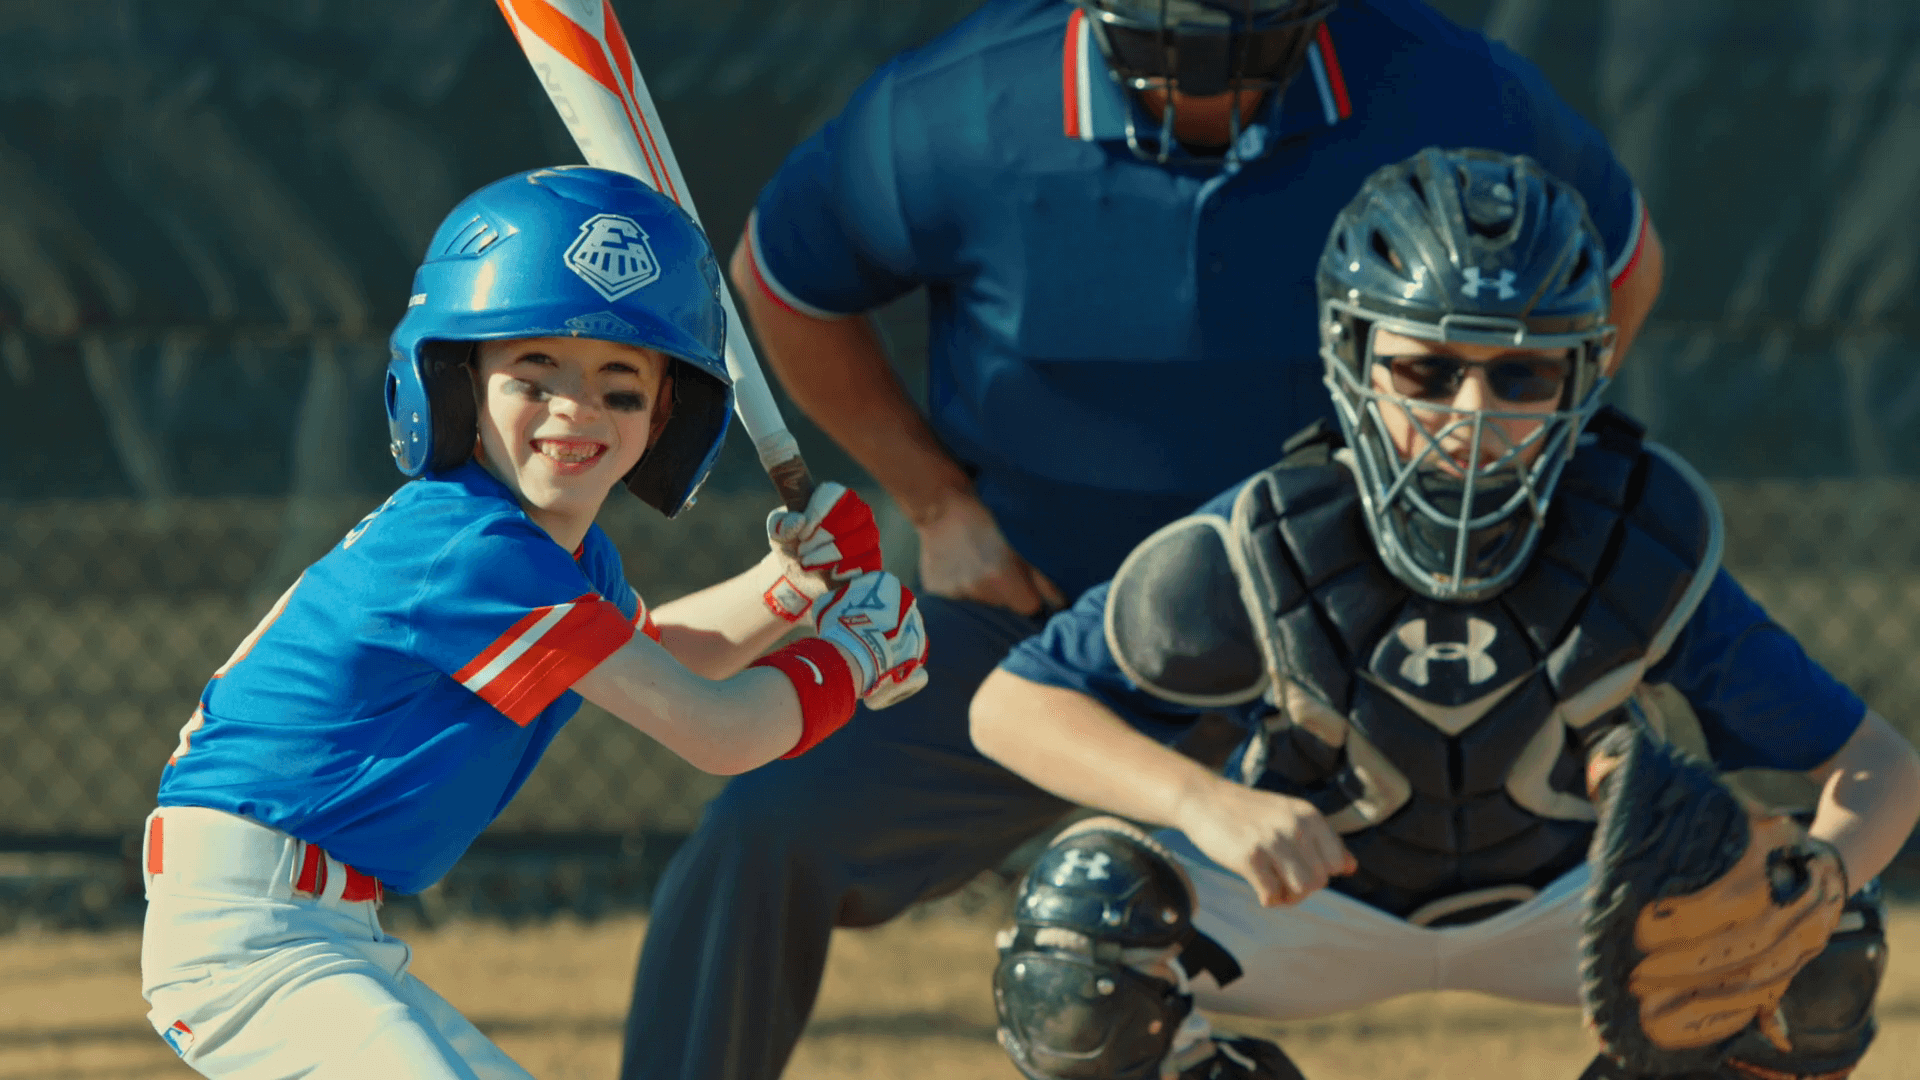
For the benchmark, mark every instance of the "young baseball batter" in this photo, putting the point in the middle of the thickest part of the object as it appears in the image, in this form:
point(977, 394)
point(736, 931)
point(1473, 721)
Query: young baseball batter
point(1448, 626)
point(564, 336)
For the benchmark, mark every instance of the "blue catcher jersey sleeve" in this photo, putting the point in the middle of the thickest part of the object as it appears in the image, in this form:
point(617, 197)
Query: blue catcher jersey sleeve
point(1762, 702)
point(1072, 652)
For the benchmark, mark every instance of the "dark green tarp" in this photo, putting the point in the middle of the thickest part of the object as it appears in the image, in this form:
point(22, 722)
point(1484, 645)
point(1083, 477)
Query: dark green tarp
point(209, 209)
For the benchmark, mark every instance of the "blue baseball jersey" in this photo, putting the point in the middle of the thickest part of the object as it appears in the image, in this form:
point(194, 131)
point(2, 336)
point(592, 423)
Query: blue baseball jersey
point(396, 697)
point(1761, 700)
point(1113, 340)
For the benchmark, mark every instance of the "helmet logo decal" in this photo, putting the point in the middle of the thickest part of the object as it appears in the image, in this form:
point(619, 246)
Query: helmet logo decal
point(601, 324)
point(1421, 652)
point(1504, 283)
point(612, 255)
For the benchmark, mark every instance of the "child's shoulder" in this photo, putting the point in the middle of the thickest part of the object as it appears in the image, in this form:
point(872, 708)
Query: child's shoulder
point(424, 518)
point(600, 560)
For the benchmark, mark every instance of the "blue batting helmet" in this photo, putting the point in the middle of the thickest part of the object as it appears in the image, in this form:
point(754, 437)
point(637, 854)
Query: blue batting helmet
point(564, 252)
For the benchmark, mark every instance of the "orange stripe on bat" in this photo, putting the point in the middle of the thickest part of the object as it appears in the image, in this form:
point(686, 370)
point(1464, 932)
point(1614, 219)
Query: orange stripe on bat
point(568, 38)
point(623, 61)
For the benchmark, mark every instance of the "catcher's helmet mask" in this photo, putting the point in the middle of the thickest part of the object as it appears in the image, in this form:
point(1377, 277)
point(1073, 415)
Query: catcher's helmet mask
point(507, 263)
point(1470, 247)
point(1201, 48)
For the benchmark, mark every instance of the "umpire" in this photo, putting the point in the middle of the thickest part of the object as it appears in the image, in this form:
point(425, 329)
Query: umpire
point(1116, 207)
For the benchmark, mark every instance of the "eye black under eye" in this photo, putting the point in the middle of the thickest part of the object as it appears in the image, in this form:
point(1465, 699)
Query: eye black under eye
point(626, 401)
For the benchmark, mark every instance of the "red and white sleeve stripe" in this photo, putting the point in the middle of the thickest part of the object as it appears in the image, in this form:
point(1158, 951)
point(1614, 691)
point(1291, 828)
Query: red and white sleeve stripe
point(643, 620)
point(539, 657)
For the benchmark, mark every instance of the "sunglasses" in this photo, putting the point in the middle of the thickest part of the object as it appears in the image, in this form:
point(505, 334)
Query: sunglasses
point(1518, 380)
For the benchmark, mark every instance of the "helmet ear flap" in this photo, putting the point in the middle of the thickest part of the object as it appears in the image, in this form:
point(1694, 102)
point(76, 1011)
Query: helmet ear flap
point(694, 405)
point(662, 409)
point(446, 367)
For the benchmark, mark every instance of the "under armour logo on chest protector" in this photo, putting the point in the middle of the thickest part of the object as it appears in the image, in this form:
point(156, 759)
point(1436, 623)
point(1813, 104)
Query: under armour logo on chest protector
point(1503, 283)
point(1449, 655)
point(1422, 654)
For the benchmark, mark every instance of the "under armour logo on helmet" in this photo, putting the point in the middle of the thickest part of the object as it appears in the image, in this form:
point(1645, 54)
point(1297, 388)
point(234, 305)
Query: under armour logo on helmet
point(1503, 282)
point(1421, 653)
point(1093, 866)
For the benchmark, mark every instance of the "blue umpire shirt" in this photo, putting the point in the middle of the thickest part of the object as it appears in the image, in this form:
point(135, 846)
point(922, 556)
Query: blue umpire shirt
point(1112, 340)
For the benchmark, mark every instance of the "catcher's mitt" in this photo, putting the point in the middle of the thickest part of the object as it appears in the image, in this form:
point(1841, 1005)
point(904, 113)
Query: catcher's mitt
point(1701, 910)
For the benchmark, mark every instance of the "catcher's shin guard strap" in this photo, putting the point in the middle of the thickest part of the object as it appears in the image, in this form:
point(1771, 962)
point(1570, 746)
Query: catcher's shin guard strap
point(824, 680)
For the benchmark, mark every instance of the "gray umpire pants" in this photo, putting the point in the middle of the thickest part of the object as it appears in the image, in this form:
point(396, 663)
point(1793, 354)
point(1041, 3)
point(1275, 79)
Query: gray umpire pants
point(895, 808)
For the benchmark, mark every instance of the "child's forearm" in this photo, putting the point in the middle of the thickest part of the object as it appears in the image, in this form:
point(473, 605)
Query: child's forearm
point(1870, 799)
point(723, 727)
point(720, 629)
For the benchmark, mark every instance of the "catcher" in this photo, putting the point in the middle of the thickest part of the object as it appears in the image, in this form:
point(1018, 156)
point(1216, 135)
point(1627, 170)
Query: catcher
point(1451, 628)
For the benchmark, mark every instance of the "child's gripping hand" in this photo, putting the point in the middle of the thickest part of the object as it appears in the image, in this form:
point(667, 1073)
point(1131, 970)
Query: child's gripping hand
point(875, 621)
point(817, 550)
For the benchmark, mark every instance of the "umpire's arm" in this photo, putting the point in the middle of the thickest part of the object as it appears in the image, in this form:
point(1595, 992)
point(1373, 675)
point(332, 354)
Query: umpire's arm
point(1635, 292)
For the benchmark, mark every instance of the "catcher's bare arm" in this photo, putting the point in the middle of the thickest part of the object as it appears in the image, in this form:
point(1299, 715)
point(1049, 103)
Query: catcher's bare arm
point(1869, 798)
point(1077, 748)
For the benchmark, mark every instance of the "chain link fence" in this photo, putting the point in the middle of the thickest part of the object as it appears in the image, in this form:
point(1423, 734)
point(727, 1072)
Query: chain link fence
point(114, 612)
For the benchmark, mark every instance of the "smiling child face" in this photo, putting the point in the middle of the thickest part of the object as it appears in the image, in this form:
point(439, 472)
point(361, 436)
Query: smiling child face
point(562, 420)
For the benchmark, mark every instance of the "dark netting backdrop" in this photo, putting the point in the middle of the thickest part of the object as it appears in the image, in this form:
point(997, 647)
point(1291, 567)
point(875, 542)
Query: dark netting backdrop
point(209, 212)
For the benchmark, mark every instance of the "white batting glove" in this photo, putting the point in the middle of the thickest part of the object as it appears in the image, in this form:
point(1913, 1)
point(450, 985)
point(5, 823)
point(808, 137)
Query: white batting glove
point(819, 549)
point(875, 621)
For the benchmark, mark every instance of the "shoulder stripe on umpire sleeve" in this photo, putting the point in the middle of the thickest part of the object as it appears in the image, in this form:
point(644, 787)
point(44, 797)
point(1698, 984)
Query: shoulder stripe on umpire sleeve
point(1630, 255)
point(541, 655)
point(775, 291)
point(1076, 102)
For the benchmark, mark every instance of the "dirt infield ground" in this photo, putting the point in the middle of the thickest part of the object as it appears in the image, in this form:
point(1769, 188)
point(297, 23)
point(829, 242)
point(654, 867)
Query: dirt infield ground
point(906, 1000)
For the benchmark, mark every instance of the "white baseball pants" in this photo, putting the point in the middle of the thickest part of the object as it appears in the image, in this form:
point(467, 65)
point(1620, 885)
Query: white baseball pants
point(1331, 953)
point(246, 978)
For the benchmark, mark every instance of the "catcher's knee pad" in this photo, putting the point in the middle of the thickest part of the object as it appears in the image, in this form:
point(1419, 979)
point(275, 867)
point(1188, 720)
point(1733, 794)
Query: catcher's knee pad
point(1092, 978)
point(1828, 1006)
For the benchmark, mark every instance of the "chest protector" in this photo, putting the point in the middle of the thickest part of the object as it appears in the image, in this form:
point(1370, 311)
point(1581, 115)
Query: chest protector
point(1443, 740)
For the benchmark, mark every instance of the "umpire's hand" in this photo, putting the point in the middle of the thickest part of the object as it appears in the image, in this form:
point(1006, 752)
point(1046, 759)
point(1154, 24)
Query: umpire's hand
point(964, 557)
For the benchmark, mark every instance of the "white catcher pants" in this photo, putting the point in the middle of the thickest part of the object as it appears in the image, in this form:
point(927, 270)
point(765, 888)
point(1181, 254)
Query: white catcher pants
point(247, 979)
point(1331, 953)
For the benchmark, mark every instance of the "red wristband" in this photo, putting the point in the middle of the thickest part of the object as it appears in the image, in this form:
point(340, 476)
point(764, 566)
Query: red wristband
point(824, 681)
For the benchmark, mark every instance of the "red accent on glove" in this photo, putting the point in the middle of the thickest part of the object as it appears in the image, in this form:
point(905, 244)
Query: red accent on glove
point(825, 682)
point(855, 533)
point(786, 601)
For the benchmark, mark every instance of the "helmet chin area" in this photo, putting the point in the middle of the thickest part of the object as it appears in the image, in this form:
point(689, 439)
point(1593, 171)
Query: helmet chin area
point(1461, 538)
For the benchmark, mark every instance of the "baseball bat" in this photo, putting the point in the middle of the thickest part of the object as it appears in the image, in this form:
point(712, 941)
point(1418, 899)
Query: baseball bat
point(581, 57)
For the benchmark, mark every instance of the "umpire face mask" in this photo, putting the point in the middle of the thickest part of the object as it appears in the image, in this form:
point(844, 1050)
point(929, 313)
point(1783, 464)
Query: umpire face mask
point(1202, 48)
